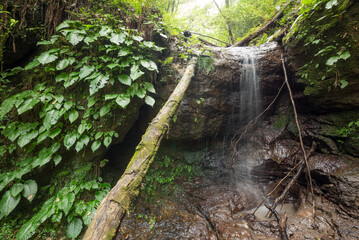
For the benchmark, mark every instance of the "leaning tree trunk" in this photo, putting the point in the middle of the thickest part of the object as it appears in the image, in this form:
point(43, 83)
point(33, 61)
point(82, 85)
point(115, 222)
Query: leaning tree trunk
point(114, 206)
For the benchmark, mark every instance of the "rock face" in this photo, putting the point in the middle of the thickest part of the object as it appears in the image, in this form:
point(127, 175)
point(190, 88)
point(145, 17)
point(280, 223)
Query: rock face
point(211, 106)
point(322, 80)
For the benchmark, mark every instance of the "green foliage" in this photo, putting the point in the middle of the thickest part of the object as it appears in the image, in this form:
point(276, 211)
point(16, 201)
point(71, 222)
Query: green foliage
point(76, 82)
point(206, 63)
point(165, 171)
point(66, 203)
point(316, 28)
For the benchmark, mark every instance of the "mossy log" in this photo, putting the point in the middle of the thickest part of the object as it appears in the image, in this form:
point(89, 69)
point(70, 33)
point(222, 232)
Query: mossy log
point(271, 23)
point(114, 206)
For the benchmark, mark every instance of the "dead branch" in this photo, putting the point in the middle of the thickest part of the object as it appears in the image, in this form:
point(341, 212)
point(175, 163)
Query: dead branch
point(246, 40)
point(282, 222)
point(216, 39)
point(207, 43)
point(299, 135)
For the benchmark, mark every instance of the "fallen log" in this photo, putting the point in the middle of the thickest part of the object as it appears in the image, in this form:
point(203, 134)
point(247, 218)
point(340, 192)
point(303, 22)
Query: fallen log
point(246, 40)
point(114, 206)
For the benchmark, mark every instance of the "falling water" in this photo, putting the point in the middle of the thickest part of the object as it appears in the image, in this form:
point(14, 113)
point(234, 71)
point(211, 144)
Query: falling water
point(250, 97)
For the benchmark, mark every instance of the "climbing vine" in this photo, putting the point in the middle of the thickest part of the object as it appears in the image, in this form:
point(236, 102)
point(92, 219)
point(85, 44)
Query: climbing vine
point(87, 70)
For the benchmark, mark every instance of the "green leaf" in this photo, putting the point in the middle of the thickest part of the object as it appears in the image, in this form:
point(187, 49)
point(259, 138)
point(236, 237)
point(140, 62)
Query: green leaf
point(141, 93)
point(74, 228)
point(57, 159)
point(98, 135)
point(8, 203)
point(62, 77)
point(64, 24)
point(43, 136)
point(30, 190)
point(345, 55)
point(68, 105)
point(27, 230)
point(43, 158)
point(62, 64)
point(343, 84)
point(149, 87)
point(46, 57)
point(123, 100)
point(32, 64)
point(332, 60)
point(84, 139)
point(86, 71)
point(137, 38)
point(113, 65)
point(125, 79)
point(73, 115)
point(123, 52)
point(98, 83)
point(95, 145)
point(79, 146)
point(66, 202)
point(54, 133)
point(135, 72)
point(75, 37)
point(55, 147)
point(27, 105)
point(6, 106)
point(56, 217)
point(107, 141)
point(331, 3)
point(150, 101)
point(105, 109)
point(117, 38)
point(26, 138)
point(150, 65)
point(105, 31)
point(16, 189)
point(69, 140)
point(81, 128)
point(110, 96)
point(51, 118)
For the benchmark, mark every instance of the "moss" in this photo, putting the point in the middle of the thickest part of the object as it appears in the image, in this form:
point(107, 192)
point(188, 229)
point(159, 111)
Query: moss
point(281, 121)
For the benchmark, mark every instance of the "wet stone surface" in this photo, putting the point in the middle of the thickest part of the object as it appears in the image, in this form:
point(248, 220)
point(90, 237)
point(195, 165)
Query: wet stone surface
point(219, 204)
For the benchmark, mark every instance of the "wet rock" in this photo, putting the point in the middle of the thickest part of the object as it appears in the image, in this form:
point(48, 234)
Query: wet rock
point(211, 106)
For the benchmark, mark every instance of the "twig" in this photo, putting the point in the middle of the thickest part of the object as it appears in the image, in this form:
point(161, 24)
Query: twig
point(300, 135)
point(254, 120)
point(227, 44)
point(282, 222)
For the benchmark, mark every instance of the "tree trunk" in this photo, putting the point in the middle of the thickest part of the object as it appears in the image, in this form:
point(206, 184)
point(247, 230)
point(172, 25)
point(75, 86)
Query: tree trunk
point(245, 41)
point(230, 32)
point(114, 206)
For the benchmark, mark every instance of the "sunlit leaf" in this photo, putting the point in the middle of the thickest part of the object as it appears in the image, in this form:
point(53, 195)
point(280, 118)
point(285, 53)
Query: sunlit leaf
point(125, 79)
point(74, 228)
point(123, 101)
point(95, 145)
point(150, 101)
point(8, 203)
point(46, 57)
point(69, 140)
point(62, 64)
point(16, 189)
point(30, 190)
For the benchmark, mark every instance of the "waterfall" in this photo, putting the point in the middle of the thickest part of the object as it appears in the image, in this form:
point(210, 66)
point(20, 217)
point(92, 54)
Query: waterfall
point(250, 97)
point(245, 93)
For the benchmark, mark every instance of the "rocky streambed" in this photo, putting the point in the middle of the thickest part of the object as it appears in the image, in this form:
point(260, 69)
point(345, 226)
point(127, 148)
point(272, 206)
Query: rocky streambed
point(219, 203)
